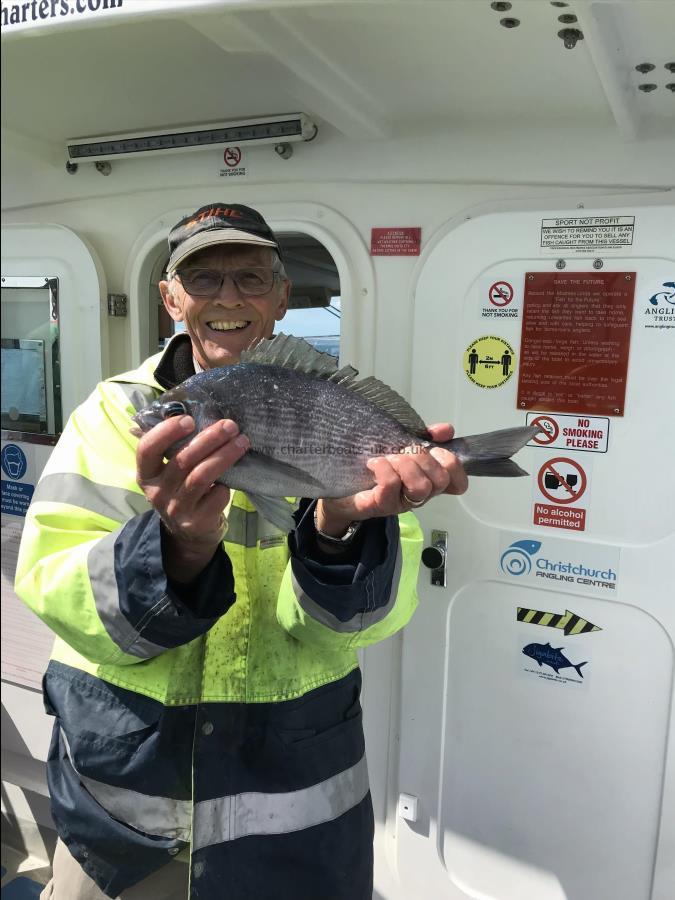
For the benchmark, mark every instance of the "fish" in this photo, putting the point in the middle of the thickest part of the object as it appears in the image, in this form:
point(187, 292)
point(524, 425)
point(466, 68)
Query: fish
point(551, 656)
point(313, 425)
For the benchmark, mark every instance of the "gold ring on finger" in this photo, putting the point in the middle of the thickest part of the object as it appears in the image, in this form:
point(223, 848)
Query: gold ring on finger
point(411, 502)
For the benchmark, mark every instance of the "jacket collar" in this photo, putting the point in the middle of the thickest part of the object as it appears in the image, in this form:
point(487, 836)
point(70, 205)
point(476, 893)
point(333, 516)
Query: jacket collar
point(175, 364)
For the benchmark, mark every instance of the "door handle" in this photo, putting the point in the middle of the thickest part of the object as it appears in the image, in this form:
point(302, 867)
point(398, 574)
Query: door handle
point(434, 557)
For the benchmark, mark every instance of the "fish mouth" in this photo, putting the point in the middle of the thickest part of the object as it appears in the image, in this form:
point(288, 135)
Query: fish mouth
point(223, 325)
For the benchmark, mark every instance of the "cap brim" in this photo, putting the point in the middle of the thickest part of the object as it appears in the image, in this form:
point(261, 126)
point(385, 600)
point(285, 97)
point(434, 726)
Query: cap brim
point(212, 239)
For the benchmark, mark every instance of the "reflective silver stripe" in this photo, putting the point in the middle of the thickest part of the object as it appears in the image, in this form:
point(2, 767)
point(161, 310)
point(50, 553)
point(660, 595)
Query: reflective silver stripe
point(139, 395)
point(238, 815)
point(247, 528)
point(361, 620)
point(159, 816)
point(77, 490)
point(101, 565)
point(242, 527)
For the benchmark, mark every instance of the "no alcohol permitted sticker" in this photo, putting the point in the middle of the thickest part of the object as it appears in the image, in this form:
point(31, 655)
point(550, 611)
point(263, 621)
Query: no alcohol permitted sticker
point(561, 484)
point(562, 480)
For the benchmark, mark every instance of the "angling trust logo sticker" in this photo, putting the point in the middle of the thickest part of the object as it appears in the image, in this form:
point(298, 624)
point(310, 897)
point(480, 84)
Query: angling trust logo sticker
point(489, 361)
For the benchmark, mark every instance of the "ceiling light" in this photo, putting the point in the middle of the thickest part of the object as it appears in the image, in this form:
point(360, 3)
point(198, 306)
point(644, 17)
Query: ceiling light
point(265, 130)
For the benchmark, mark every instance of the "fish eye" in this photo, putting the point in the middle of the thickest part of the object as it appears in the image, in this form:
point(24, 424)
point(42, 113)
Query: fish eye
point(173, 408)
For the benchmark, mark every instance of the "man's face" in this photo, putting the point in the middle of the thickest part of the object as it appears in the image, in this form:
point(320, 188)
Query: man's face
point(209, 321)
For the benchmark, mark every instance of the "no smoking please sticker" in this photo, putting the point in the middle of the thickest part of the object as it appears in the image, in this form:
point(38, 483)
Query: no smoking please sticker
point(561, 494)
point(588, 434)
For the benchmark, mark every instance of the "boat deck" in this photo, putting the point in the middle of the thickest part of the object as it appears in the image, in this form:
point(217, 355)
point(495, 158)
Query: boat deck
point(23, 876)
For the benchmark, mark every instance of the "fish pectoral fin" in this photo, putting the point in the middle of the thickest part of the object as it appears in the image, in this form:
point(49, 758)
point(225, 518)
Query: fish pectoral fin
point(284, 469)
point(275, 509)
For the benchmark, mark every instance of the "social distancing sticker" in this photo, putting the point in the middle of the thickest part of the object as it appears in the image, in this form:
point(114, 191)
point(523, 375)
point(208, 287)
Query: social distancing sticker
point(489, 361)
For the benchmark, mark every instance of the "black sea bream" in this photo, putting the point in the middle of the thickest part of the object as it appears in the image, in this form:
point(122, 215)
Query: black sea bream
point(312, 426)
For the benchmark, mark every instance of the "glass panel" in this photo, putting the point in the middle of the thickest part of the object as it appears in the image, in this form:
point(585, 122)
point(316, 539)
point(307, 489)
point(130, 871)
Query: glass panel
point(31, 383)
point(24, 397)
point(314, 309)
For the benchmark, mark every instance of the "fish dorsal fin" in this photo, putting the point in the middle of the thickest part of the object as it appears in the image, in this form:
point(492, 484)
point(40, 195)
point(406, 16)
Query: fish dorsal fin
point(292, 353)
point(295, 353)
point(386, 399)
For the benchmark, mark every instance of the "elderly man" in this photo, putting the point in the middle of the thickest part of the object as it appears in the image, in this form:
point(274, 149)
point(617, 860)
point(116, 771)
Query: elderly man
point(206, 702)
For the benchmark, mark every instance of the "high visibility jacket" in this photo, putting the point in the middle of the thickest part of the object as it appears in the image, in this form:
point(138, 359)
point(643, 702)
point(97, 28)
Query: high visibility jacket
point(222, 715)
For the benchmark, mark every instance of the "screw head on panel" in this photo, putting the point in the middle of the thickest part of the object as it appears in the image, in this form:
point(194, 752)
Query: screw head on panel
point(570, 37)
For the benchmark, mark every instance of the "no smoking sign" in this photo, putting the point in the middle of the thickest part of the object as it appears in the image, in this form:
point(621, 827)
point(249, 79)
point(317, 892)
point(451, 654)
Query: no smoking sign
point(232, 156)
point(500, 293)
point(235, 166)
point(499, 297)
point(549, 430)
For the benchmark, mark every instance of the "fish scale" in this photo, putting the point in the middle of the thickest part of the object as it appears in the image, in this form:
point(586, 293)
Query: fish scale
point(313, 427)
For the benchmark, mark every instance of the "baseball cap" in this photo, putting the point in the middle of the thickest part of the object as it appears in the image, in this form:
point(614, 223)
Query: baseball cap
point(218, 223)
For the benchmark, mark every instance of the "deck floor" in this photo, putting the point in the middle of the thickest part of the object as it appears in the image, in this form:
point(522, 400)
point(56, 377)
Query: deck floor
point(23, 877)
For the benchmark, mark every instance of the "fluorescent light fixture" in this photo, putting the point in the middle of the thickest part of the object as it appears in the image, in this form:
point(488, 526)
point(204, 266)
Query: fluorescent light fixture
point(265, 130)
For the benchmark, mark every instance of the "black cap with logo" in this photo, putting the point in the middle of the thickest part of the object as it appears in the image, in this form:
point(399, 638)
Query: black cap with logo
point(218, 223)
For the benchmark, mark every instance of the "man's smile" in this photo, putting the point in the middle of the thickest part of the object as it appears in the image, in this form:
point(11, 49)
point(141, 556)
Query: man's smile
point(220, 325)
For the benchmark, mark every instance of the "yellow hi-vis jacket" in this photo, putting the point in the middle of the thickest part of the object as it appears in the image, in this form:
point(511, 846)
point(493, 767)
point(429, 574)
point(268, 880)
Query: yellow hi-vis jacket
point(224, 714)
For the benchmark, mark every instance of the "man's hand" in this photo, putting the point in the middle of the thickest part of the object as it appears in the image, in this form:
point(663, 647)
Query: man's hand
point(183, 491)
point(404, 481)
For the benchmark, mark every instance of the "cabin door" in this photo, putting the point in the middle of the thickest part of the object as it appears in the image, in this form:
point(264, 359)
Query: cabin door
point(536, 685)
point(54, 342)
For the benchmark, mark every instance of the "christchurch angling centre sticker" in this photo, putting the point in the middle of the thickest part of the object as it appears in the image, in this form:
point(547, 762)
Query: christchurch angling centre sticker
point(489, 361)
point(573, 567)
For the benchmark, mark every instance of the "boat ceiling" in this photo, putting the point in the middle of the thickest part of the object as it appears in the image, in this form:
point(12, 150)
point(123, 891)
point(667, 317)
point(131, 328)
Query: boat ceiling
point(368, 70)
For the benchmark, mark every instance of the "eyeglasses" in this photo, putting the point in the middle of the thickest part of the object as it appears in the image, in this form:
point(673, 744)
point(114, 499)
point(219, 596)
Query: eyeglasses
point(252, 282)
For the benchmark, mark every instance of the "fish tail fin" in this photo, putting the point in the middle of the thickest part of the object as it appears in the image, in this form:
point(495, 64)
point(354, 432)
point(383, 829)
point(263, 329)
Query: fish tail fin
point(489, 453)
point(578, 668)
point(498, 468)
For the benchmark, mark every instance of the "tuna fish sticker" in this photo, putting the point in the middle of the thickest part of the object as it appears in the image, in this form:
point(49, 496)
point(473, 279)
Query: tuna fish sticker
point(561, 660)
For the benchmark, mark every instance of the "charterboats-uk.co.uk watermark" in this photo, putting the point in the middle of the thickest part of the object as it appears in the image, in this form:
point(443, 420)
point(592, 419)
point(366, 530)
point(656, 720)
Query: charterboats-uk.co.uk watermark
point(23, 13)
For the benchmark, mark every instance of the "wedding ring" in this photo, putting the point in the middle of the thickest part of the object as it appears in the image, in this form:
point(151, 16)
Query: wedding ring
point(411, 502)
